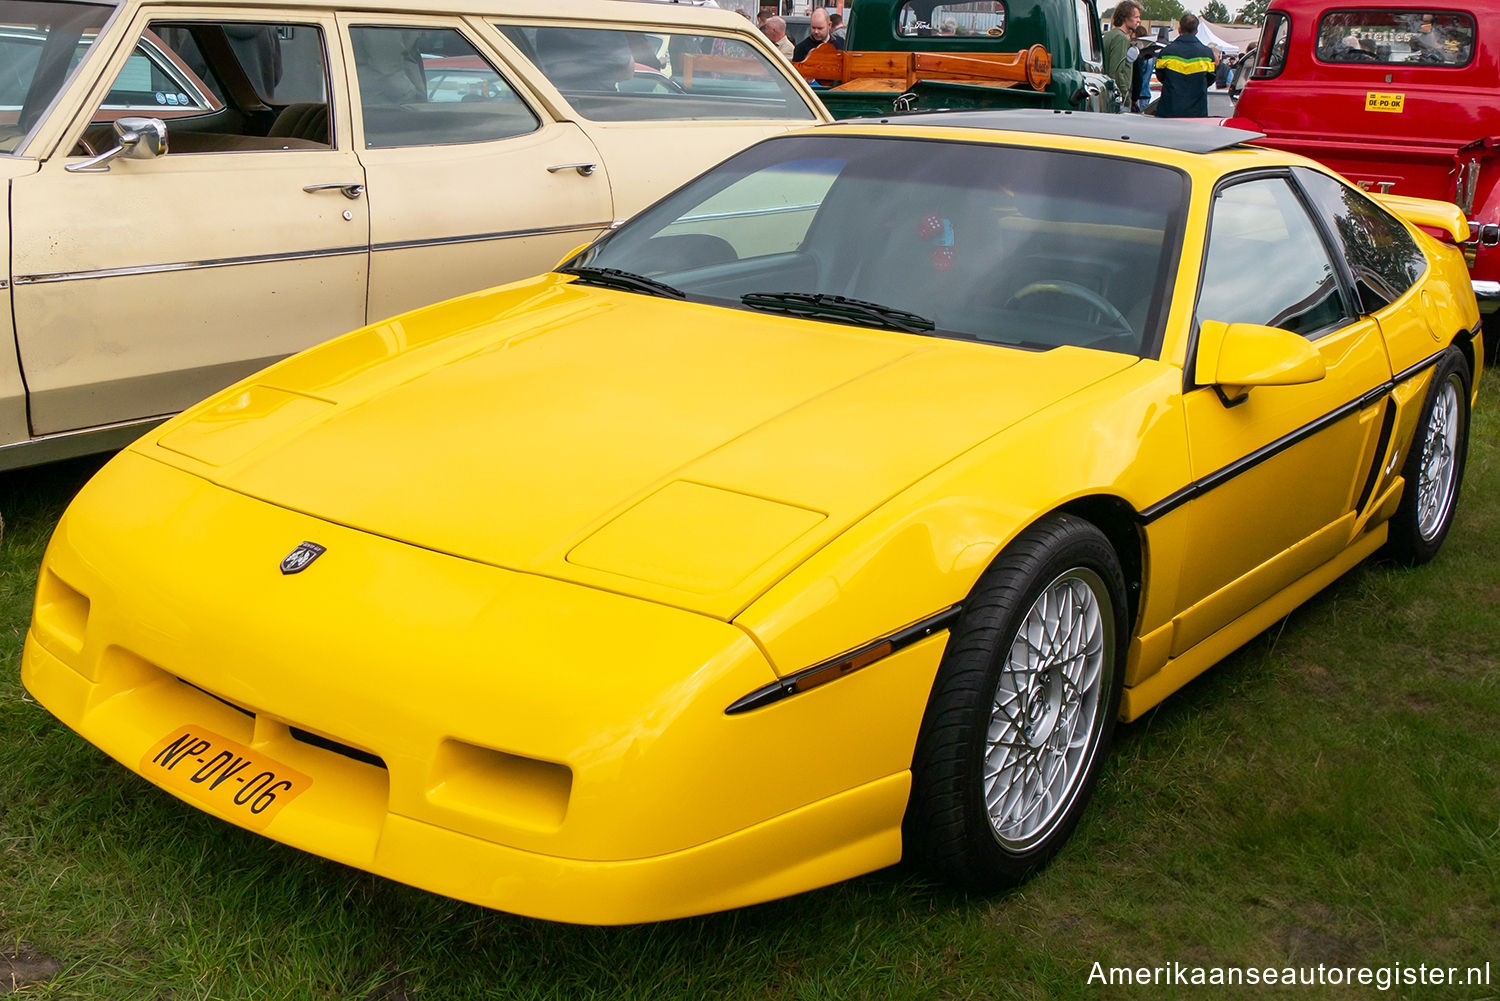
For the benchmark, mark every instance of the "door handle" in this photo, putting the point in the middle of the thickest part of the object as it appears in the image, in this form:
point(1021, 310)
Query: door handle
point(583, 168)
point(350, 191)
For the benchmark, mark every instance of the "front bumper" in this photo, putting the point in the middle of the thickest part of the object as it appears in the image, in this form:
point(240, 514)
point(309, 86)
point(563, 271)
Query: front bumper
point(344, 816)
point(520, 743)
point(1488, 295)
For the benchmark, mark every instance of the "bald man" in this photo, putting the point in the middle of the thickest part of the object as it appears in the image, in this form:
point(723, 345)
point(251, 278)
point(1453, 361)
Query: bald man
point(818, 32)
point(775, 29)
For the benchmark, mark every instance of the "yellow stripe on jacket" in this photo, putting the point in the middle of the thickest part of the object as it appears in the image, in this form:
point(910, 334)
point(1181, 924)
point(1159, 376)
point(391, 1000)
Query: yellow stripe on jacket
point(1197, 64)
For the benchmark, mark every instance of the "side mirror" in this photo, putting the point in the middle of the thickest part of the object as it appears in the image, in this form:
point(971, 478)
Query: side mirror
point(135, 139)
point(1085, 93)
point(1234, 358)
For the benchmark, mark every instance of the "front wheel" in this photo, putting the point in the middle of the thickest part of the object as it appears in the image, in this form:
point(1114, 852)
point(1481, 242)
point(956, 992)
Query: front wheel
point(1434, 467)
point(1022, 708)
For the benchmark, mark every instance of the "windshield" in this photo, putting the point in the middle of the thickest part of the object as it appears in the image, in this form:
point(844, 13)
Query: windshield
point(41, 44)
point(979, 241)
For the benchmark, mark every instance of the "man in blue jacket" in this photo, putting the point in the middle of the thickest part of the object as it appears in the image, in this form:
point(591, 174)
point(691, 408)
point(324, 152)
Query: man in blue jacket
point(1185, 68)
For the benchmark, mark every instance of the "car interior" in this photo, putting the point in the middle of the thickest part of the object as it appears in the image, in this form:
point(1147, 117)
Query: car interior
point(268, 79)
point(980, 261)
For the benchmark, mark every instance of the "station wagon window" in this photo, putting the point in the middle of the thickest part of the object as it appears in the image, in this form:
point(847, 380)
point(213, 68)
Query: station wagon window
point(1384, 258)
point(222, 86)
point(431, 87)
point(1270, 57)
point(1396, 37)
point(614, 75)
point(1266, 263)
point(926, 19)
point(41, 45)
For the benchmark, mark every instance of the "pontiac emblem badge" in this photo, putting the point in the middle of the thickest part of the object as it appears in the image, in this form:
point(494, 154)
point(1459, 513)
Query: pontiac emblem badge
point(301, 558)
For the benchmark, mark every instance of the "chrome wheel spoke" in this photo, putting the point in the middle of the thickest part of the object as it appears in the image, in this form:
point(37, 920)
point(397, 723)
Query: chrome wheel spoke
point(1045, 715)
point(1436, 475)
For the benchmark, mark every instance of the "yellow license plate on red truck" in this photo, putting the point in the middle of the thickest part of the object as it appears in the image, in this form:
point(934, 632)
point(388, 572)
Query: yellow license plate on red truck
point(229, 778)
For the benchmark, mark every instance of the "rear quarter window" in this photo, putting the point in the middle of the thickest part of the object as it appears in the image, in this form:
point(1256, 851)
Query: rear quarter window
point(1408, 37)
point(617, 75)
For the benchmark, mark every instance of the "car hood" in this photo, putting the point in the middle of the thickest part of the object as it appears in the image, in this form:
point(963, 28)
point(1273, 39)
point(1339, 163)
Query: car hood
point(681, 452)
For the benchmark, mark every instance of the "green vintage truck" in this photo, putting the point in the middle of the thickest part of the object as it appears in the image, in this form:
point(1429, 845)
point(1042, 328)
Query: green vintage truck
point(903, 55)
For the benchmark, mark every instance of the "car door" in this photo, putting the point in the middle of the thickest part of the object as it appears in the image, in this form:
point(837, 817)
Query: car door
point(1280, 472)
point(142, 285)
point(472, 184)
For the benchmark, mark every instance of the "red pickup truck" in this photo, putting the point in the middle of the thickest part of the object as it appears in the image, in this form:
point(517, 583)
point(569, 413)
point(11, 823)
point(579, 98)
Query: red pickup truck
point(1401, 99)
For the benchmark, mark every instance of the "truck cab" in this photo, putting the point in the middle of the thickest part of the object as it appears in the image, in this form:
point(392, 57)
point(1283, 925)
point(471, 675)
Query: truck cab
point(905, 55)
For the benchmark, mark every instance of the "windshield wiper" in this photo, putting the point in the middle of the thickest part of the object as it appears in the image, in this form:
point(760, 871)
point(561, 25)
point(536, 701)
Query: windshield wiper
point(627, 281)
point(871, 314)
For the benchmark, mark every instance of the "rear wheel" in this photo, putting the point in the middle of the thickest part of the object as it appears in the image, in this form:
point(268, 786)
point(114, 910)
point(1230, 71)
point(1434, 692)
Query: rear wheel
point(1022, 708)
point(1434, 467)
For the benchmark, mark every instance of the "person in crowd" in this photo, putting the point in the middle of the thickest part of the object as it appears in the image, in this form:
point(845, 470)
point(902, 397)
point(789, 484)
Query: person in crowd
point(836, 26)
point(1118, 48)
point(775, 30)
point(1142, 67)
point(819, 30)
point(1185, 68)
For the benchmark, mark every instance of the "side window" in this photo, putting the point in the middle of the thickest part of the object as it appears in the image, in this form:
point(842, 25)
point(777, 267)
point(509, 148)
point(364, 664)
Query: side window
point(223, 86)
point(431, 87)
point(1088, 33)
point(1266, 263)
point(1386, 261)
point(614, 75)
point(1270, 57)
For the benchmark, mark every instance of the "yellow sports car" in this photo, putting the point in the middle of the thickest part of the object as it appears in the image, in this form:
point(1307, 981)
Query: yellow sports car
point(830, 511)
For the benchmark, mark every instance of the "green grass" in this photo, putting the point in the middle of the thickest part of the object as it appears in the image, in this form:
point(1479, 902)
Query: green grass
point(1328, 795)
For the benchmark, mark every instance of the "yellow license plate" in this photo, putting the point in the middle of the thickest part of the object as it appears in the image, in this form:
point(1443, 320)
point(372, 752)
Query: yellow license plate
point(230, 778)
point(1376, 101)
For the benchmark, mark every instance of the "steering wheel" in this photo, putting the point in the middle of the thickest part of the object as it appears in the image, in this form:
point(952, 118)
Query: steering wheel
point(1076, 291)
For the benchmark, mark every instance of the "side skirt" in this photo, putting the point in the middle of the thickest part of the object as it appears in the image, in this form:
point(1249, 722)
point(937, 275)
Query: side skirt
point(1178, 671)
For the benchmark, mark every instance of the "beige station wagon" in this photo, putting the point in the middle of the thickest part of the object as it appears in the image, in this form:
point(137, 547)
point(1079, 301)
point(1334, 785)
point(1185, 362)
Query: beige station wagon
point(193, 189)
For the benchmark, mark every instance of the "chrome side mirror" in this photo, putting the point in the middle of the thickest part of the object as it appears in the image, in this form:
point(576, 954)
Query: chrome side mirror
point(135, 139)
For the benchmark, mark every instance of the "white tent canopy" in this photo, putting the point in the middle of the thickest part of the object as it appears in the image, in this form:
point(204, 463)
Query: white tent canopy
point(1207, 36)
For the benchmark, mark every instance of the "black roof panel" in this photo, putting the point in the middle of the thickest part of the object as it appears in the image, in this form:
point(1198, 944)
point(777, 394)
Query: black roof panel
point(1190, 135)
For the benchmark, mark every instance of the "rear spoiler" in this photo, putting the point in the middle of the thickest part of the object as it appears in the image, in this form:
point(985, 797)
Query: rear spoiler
point(1428, 212)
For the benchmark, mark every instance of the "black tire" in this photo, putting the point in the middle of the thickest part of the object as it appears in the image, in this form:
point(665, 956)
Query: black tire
point(1434, 466)
point(948, 829)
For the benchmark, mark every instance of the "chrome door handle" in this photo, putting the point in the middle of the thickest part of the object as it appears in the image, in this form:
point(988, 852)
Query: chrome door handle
point(583, 168)
point(350, 191)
